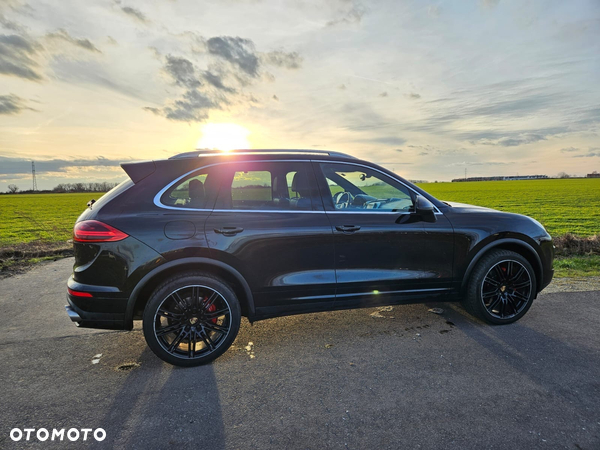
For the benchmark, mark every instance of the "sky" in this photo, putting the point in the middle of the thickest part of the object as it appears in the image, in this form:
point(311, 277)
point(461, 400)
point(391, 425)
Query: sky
point(426, 89)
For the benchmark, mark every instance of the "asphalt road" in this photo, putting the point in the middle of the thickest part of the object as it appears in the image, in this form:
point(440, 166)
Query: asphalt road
point(406, 379)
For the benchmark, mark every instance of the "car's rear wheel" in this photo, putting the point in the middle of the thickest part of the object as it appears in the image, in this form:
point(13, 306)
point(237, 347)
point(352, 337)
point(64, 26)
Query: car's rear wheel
point(501, 288)
point(191, 319)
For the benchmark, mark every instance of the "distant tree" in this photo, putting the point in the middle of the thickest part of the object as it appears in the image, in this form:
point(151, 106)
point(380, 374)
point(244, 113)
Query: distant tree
point(564, 175)
point(13, 188)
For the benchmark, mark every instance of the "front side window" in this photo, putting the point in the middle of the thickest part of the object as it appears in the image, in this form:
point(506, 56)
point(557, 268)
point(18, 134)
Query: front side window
point(283, 186)
point(353, 187)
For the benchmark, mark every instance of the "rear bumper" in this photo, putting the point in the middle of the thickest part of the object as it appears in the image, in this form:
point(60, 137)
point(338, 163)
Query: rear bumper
point(101, 307)
point(73, 314)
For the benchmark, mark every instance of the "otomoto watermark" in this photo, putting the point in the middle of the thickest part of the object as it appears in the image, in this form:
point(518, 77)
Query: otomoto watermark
point(62, 434)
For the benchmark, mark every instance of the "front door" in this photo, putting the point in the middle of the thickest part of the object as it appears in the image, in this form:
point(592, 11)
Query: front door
point(383, 253)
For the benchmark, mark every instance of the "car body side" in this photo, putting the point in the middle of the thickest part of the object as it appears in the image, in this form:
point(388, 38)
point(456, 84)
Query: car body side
point(162, 242)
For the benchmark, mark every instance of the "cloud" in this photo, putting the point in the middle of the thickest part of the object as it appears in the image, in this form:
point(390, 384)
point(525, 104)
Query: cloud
point(194, 106)
point(283, 59)
point(514, 139)
point(482, 163)
point(90, 72)
point(9, 24)
point(489, 4)
point(216, 81)
point(360, 116)
point(569, 149)
point(413, 96)
point(592, 151)
point(383, 94)
point(399, 150)
point(351, 15)
point(134, 13)
point(237, 51)
point(11, 105)
point(275, 98)
point(385, 140)
point(62, 34)
point(342, 87)
point(16, 57)
point(433, 10)
point(233, 64)
point(196, 102)
point(182, 71)
point(22, 166)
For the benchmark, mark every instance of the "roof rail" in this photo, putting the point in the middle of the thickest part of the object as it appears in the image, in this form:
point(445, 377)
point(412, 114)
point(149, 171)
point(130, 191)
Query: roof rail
point(208, 152)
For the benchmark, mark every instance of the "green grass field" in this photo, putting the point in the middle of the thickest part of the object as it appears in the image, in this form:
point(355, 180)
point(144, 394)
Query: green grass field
point(45, 217)
point(563, 206)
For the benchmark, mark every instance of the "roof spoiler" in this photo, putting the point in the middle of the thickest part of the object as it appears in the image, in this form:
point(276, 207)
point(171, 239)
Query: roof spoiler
point(137, 171)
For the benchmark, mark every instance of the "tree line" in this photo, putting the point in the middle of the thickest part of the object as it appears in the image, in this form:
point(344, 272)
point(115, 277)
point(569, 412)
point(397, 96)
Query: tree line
point(69, 187)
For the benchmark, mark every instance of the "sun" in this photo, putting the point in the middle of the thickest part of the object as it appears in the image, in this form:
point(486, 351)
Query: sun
point(223, 136)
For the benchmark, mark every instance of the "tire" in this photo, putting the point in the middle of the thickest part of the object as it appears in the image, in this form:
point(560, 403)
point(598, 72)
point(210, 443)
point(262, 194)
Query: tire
point(501, 288)
point(191, 319)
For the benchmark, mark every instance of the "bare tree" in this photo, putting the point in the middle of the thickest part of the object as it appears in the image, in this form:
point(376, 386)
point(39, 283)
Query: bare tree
point(564, 175)
point(13, 188)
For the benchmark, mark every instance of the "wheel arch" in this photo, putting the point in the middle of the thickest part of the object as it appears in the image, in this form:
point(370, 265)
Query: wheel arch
point(518, 246)
point(144, 288)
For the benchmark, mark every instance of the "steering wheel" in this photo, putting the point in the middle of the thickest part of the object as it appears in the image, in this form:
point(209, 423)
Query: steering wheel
point(343, 200)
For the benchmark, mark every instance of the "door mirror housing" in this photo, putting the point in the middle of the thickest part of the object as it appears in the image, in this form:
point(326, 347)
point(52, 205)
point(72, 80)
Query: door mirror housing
point(424, 209)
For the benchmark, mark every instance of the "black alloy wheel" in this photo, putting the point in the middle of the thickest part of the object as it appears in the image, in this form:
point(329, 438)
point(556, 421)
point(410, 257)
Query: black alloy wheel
point(501, 288)
point(506, 289)
point(191, 320)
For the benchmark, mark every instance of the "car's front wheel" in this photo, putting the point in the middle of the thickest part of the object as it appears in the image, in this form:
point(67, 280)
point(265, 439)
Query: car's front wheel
point(501, 288)
point(191, 319)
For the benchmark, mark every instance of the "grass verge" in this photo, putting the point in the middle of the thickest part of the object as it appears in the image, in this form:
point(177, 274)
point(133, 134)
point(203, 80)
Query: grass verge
point(577, 266)
point(17, 258)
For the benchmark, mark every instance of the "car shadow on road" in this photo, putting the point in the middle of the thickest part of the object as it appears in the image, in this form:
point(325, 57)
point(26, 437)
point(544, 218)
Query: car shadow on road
point(558, 367)
point(161, 406)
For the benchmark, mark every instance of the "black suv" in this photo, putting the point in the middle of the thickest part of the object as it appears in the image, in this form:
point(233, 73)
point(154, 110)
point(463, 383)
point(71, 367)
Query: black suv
point(192, 243)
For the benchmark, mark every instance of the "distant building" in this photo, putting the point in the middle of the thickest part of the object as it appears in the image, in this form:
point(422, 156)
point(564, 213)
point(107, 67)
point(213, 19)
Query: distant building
point(593, 175)
point(510, 178)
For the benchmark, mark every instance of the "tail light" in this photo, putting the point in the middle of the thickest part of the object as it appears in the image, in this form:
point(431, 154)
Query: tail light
point(95, 231)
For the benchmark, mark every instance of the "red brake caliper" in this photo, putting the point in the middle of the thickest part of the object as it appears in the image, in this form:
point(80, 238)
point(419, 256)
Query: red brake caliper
point(212, 308)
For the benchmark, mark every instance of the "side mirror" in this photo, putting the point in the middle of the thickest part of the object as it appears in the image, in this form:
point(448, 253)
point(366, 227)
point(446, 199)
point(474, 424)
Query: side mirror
point(424, 209)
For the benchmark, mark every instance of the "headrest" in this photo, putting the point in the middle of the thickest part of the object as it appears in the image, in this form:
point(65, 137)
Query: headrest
point(196, 190)
point(300, 184)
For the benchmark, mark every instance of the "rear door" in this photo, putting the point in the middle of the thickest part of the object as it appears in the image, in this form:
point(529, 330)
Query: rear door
point(270, 225)
point(382, 251)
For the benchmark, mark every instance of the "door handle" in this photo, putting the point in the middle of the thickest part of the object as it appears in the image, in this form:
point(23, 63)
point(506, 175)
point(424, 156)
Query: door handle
point(347, 228)
point(229, 231)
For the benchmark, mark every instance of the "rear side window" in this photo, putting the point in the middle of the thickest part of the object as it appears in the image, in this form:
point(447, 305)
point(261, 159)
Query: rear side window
point(197, 191)
point(276, 186)
point(251, 186)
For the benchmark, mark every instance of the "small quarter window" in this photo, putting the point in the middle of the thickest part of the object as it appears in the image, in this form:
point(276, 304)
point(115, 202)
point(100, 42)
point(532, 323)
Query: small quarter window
point(193, 192)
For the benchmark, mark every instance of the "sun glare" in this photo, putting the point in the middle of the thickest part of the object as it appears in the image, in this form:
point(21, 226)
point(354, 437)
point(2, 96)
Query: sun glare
point(223, 136)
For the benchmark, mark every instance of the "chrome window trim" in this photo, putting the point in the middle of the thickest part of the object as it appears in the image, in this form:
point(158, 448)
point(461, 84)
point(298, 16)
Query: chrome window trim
point(158, 196)
point(160, 193)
